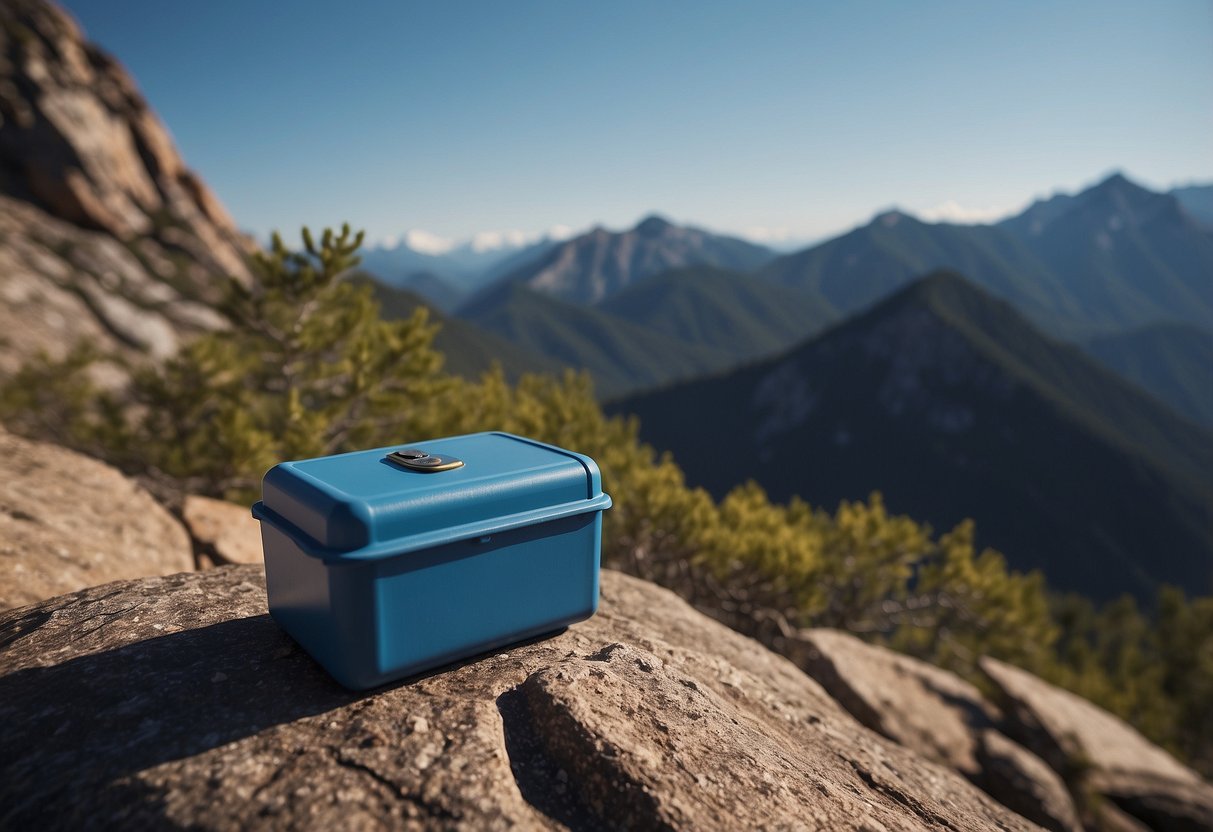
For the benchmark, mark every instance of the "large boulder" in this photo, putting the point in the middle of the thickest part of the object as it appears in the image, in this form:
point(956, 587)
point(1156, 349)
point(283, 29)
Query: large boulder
point(105, 234)
point(178, 701)
point(68, 521)
point(1102, 752)
point(938, 715)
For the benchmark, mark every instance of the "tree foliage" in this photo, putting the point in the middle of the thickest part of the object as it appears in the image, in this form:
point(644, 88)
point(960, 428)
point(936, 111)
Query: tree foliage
point(306, 367)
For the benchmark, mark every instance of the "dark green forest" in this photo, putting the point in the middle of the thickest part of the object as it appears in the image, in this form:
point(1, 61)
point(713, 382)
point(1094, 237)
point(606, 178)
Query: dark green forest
point(308, 366)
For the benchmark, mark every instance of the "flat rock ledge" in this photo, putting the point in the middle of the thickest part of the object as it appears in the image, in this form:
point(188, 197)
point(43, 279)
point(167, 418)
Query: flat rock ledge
point(177, 701)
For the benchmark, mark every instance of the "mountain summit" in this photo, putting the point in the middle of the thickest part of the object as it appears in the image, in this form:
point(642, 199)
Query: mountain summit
point(653, 225)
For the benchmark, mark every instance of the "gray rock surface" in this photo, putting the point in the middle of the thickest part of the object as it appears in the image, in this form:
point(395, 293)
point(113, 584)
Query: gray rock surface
point(104, 232)
point(68, 521)
point(177, 700)
point(1109, 757)
point(938, 715)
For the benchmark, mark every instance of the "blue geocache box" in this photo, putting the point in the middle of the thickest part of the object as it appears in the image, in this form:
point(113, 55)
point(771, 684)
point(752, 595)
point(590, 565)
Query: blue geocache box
point(388, 562)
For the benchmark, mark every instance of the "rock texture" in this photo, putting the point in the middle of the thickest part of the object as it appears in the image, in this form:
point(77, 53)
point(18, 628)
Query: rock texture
point(104, 232)
point(67, 521)
point(178, 701)
point(1017, 778)
point(1102, 752)
point(920, 706)
point(940, 716)
point(223, 531)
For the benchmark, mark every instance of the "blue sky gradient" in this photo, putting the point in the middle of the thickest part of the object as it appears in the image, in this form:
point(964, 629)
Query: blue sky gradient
point(797, 118)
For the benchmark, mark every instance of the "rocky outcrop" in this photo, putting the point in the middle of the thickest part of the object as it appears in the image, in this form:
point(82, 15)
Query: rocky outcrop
point(178, 701)
point(104, 232)
point(67, 521)
point(930, 710)
point(1102, 753)
point(938, 715)
point(223, 532)
point(60, 285)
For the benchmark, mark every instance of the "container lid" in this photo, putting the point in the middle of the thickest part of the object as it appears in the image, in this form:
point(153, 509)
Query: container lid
point(361, 505)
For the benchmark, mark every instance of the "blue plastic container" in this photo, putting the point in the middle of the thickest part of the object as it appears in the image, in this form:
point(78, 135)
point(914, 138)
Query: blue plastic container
point(381, 568)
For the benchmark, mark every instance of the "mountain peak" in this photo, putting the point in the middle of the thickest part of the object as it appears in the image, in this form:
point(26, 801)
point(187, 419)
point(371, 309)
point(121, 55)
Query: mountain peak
point(941, 291)
point(892, 217)
point(652, 225)
point(1118, 184)
point(1114, 179)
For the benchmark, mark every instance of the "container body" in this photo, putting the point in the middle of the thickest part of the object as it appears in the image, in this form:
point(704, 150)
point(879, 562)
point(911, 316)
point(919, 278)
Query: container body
point(369, 619)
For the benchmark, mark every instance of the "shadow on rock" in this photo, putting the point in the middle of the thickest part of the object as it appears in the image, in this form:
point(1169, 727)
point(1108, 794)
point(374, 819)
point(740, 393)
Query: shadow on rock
point(109, 714)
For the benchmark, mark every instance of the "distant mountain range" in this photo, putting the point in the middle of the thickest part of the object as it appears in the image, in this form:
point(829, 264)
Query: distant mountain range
point(1114, 256)
point(1098, 263)
point(446, 276)
point(951, 403)
point(1127, 256)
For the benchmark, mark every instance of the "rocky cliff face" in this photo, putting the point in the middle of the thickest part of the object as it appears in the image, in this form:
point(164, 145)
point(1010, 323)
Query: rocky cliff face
point(105, 234)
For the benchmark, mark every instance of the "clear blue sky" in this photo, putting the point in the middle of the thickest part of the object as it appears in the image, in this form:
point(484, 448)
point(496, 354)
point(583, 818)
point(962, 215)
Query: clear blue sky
point(461, 117)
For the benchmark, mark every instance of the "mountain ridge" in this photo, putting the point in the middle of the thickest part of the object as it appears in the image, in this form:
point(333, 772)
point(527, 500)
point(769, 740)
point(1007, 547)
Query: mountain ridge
point(619, 354)
point(1128, 255)
point(917, 398)
point(720, 309)
point(1112, 256)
